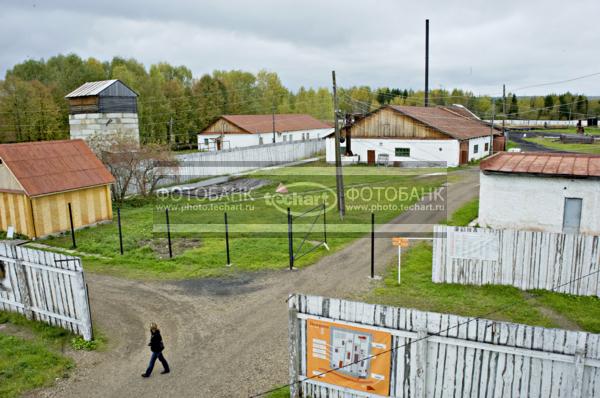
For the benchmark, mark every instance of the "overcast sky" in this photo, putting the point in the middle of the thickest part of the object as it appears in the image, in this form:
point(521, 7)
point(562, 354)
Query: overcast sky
point(476, 45)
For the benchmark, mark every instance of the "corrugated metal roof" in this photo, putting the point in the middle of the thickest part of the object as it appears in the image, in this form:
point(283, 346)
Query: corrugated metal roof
point(453, 121)
point(95, 88)
point(54, 166)
point(540, 163)
point(254, 124)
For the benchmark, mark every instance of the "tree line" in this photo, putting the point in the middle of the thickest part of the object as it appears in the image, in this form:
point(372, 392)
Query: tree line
point(174, 105)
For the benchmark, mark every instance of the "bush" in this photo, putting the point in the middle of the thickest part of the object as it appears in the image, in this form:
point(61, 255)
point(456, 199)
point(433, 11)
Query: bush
point(78, 343)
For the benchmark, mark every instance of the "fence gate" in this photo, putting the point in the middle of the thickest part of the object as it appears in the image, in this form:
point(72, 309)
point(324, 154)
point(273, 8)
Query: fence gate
point(316, 215)
point(46, 287)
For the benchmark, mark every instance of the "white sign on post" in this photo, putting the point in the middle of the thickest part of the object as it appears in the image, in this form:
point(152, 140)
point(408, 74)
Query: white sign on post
point(10, 232)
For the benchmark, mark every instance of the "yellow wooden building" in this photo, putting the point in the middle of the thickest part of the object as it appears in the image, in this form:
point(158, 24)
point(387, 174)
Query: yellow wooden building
point(38, 181)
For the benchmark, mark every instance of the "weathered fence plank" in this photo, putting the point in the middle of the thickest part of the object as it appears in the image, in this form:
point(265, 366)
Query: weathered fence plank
point(566, 263)
point(441, 355)
point(47, 287)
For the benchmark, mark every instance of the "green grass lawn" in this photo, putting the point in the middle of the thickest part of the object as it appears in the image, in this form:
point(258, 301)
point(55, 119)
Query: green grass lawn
point(34, 359)
point(283, 393)
point(511, 144)
point(504, 303)
point(198, 232)
point(573, 130)
point(553, 144)
point(464, 215)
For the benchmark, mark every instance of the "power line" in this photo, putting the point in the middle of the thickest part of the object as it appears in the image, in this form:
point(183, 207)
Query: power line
point(392, 349)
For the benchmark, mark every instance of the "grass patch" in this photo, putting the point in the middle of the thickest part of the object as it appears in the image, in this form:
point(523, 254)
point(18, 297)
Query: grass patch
point(511, 144)
point(251, 248)
point(503, 303)
point(25, 365)
point(464, 215)
point(283, 393)
point(573, 130)
point(557, 145)
point(34, 359)
point(584, 311)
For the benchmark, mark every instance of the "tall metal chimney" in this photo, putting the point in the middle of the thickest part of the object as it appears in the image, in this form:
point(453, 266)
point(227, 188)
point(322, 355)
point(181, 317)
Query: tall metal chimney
point(427, 62)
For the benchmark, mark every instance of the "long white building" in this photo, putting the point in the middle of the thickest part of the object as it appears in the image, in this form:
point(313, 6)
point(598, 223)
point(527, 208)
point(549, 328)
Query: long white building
point(235, 131)
point(411, 135)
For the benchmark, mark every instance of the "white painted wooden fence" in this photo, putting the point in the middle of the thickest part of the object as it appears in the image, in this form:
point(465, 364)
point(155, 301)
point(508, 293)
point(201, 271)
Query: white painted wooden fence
point(441, 355)
point(566, 263)
point(45, 286)
point(201, 164)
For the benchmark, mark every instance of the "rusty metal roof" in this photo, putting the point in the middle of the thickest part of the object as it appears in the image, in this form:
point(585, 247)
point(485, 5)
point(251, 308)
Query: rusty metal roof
point(46, 167)
point(254, 124)
point(451, 120)
point(541, 163)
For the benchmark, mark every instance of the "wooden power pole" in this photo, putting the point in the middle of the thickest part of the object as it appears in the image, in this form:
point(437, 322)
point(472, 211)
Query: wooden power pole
point(427, 62)
point(273, 113)
point(339, 179)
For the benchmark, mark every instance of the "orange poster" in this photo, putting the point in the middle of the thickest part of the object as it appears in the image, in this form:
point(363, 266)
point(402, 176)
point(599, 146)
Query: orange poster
point(348, 356)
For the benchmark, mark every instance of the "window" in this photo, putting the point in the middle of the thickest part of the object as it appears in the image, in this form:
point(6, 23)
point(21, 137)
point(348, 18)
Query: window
point(475, 148)
point(206, 141)
point(260, 140)
point(486, 147)
point(308, 136)
point(291, 138)
point(402, 152)
point(284, 138)
point(572, 215)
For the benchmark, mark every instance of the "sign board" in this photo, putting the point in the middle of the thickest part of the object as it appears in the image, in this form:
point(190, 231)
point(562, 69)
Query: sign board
point(400, 242)
point(10, 232)
point(472, 245)
point(349, 356)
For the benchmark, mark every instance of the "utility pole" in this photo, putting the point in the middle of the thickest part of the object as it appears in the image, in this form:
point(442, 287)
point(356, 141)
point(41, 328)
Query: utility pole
point(504, 110)
point(492, 126)
point(273, 113)
point(339, 179)
point(427, 62)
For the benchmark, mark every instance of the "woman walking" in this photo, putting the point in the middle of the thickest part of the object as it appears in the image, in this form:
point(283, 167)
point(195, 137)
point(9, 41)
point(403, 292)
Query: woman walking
point(157, 347)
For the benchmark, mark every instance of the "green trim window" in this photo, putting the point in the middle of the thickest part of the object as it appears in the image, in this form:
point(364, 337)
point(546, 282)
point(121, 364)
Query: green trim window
point(402, 152)
point(475, 148)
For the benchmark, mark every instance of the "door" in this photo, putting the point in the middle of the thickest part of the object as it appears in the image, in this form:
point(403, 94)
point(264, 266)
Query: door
point(218, 144)
point(464, 152)
point(572, 215)
point(371, 156)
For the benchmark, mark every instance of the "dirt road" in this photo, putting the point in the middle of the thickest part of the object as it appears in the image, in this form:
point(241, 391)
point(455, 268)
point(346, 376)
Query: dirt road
point(224, 337)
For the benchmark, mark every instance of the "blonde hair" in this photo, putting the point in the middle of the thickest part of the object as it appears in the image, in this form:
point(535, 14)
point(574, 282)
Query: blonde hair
point(153, 326)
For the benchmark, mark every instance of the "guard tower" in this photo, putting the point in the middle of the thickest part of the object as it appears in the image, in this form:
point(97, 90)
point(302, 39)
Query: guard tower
point(105, 107)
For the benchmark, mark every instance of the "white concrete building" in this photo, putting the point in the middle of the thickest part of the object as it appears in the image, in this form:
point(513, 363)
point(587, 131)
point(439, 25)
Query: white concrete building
point(412, 136)
point(103, 108)
point(235, 131)
point(554, 192)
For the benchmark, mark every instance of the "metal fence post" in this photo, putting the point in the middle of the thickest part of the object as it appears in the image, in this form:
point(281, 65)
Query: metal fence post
point(372, 245)
point(169, 233)
point(120, 232)
point(227, 240)
point(72, 227)
point(290, 239)
point(324, 224)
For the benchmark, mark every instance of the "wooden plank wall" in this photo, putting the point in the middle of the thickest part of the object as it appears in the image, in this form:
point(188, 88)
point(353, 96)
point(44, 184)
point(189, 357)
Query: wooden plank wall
point(391, 124)
point(443, 355)
point(46, 287)
point(15, 210)
point(89, 206)
point(223, 126)
point(566, 263)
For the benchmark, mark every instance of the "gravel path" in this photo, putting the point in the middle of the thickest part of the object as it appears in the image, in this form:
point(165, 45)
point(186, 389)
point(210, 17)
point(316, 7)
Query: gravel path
point(224, 337)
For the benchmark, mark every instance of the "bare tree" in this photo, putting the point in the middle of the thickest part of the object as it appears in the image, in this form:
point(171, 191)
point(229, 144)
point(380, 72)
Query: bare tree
point(155, 164)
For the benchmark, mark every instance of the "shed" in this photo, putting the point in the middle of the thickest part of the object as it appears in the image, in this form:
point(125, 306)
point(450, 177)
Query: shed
point(38, 180)
point(444, 135)
point(553, 192)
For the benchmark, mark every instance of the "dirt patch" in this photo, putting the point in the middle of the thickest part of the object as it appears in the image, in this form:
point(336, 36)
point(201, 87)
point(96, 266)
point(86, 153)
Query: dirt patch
point(230, 286)
point(239, 186)
point(560, 320)
point(160, 246)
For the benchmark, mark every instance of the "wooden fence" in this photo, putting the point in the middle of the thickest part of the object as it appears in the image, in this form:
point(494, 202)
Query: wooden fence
point(46, 287)
point(566, 263)
point(441, 355)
